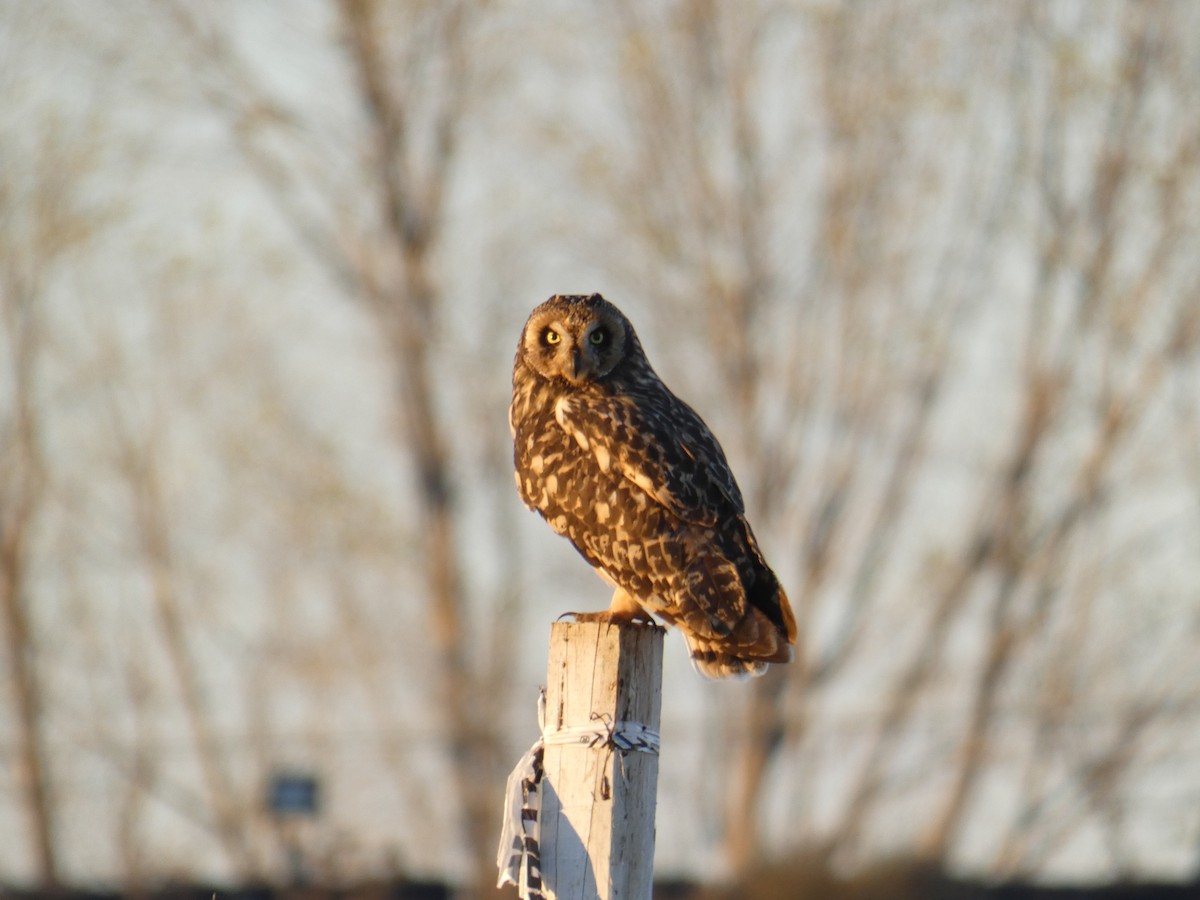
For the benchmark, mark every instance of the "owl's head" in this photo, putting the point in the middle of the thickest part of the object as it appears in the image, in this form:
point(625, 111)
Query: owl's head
point(576, 337)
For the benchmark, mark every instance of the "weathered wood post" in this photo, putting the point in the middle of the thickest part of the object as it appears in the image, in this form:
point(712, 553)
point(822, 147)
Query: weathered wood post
point(603, 691)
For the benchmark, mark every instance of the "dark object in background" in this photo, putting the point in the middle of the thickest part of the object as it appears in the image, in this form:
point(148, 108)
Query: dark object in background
point(294, 794)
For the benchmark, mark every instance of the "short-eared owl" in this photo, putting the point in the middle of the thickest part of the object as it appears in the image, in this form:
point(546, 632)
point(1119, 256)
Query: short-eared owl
point(634, 478)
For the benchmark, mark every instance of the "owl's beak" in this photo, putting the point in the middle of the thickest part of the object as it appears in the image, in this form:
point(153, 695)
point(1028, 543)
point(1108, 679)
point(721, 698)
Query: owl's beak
point(578, 366)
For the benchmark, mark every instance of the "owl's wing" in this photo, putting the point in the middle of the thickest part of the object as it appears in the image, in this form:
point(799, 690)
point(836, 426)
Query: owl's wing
point(660, 444)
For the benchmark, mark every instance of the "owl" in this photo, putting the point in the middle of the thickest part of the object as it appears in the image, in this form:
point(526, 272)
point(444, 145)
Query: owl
point(632, 476)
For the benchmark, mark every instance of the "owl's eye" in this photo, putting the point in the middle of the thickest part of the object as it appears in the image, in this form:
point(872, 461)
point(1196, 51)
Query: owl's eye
point(599, 336)
point(550, 336)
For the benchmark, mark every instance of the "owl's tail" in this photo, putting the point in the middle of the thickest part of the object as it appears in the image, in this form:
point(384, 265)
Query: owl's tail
point(754, 643)
point(750, 624)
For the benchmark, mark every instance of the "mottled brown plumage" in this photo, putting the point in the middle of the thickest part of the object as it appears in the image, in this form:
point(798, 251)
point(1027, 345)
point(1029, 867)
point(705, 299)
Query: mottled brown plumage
point(632, 476)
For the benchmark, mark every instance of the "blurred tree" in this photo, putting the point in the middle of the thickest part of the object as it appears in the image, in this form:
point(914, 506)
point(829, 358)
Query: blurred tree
point(44, 218)
point(1107, 317)
point(137, 432)
point(411, 74)
point(22, 493)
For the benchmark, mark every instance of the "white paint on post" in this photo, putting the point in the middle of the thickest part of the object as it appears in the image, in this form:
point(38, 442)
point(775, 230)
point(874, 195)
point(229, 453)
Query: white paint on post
point(598, 804)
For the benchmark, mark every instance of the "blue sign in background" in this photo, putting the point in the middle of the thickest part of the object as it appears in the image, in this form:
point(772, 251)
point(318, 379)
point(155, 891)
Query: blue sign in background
point(292, 793)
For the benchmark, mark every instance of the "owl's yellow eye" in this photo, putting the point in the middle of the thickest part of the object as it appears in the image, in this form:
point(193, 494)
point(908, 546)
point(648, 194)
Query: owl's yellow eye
point(599, 336)
point(551, 336)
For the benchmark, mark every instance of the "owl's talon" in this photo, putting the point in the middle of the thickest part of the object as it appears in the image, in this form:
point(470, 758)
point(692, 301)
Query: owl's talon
point(612, 617)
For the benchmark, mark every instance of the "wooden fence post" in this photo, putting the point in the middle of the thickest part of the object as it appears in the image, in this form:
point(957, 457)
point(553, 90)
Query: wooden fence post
point(598, 803)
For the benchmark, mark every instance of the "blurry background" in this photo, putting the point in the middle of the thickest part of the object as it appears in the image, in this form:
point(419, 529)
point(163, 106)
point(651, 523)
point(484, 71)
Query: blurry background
point(931, 270)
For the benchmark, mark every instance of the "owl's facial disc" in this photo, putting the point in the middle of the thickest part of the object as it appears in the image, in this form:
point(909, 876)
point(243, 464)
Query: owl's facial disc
point(574, 341)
